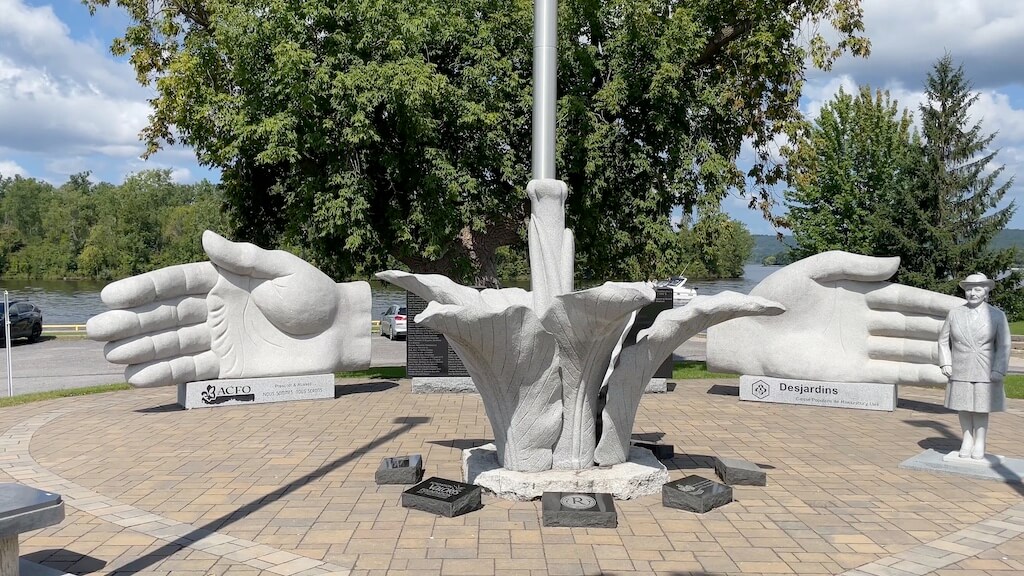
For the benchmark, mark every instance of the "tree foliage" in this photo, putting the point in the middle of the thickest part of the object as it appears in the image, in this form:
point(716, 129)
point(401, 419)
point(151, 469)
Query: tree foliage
point(861, 181)
point(846, 170)
point(369, 130)
point(943, 230)
point(104, 231)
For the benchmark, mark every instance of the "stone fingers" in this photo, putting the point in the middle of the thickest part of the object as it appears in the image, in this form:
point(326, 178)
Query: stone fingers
point(910, 300)
point(898, 324)
point(903, 350)
point(152, 317)
point(167, 283)
point(203, 366)
point(185, 340)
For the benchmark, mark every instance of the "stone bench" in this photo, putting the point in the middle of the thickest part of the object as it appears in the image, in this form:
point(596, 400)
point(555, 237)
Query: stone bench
point(22, 509)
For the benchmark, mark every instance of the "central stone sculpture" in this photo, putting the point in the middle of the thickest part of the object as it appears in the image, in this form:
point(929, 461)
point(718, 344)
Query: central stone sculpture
point(541, 358)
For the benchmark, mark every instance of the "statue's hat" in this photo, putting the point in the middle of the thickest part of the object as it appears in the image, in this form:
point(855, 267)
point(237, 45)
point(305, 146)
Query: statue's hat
point(977, 279)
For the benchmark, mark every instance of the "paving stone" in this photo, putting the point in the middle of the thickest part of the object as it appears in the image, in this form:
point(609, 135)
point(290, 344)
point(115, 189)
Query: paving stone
point(736, 472)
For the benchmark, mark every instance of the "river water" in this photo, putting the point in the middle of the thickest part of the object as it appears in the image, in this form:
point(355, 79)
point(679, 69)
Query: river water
point(75, 301)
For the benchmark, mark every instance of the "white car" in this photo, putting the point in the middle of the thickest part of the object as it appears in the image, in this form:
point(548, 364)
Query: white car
point(392, 322)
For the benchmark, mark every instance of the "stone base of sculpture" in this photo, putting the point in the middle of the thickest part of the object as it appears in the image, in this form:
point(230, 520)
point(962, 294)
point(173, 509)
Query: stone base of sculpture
point(860, 395)
point(236, 391)
point(641, 475)
point(443, 385)
point(991, 467)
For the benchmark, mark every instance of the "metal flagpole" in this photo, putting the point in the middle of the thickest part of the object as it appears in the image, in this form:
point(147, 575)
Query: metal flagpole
point(7, 341)
point(545, 86)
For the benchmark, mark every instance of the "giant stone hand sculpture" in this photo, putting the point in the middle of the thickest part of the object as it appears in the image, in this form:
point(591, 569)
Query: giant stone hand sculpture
point(248, 312)
point(539, 358)
point(843, 323)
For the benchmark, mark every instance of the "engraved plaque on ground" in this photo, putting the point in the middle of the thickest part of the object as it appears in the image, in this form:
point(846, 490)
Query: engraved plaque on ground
point(860, 395)
point(232, 392)
point(400, 470)
point(587, 510)
point(695, 494)
point(442, 497)
point(427, 353)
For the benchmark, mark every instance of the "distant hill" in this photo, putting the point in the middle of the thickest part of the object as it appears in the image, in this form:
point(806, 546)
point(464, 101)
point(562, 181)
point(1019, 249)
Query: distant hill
point(769, 244)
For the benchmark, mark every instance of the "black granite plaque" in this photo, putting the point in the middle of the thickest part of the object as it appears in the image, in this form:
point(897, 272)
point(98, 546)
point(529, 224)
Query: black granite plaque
point(736, 472)
point(587, 510)
point(442, 497)
point(645, 318)
point(660, 451)
point(427, 353)
point(400, 470)
point(695, 494)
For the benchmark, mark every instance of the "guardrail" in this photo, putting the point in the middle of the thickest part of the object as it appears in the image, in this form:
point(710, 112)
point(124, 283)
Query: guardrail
point(80, 328)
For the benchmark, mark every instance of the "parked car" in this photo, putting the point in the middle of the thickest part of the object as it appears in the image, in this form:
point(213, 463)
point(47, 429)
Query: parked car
point(26, 321)
point(392, 321)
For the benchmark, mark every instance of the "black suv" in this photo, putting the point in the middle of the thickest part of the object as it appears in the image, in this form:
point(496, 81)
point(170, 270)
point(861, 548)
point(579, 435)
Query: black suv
point(26, 321)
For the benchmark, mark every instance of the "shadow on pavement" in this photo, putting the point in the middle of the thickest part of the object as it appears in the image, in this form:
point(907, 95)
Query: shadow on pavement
point(67, 561)
point(366, 387)
point(407, 423)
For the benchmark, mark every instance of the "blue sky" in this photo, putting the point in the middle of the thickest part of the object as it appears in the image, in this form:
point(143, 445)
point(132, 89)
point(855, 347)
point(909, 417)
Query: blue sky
point(67, 105)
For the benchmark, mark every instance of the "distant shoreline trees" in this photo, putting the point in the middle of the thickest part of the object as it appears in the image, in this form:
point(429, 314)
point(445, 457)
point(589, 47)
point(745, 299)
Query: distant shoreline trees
point(103, 231)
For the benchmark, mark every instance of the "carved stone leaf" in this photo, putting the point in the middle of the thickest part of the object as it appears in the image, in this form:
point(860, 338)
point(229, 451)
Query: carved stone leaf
point(511, 360)
point(638, 362)
point(586, 325)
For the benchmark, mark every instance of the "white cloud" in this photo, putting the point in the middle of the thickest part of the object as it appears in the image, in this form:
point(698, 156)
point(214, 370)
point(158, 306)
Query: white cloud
point(908, 36)
point(181, 175)
point(10, 168)
point(61, 98)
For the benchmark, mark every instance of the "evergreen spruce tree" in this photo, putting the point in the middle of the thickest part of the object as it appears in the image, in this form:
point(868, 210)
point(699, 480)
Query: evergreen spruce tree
point(943, 228)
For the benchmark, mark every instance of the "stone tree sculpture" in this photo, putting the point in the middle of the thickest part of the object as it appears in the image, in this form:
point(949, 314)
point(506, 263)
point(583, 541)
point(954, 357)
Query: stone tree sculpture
point(539, 359)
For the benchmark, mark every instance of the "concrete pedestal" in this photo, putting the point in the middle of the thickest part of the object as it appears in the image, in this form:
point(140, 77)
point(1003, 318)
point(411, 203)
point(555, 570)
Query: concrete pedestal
point(641, 475)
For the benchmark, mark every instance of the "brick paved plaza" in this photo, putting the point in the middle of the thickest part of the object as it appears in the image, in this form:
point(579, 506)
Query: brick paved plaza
point(289, 489)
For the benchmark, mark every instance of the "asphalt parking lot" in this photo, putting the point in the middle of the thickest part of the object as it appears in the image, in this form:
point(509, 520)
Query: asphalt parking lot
point(61, 363)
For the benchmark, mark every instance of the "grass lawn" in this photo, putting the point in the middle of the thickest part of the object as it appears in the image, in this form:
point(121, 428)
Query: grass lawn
point(38, 396)
point(1017, 328)
point(383, 372)
point(691, 370)
point(1014, 385)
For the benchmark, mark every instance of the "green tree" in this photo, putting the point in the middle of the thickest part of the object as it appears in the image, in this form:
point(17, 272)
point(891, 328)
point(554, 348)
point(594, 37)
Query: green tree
point(944, 229)
point(846, 172)
point(731, 247)
point(360, 131)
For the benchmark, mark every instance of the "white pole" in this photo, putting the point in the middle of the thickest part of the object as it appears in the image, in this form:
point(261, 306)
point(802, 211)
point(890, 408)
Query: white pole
point(545, 85)
point(7, 340)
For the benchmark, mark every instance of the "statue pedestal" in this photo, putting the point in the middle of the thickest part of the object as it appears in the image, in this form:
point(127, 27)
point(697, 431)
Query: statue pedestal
point(240, 391)
point(641, 475)
point(991, 467)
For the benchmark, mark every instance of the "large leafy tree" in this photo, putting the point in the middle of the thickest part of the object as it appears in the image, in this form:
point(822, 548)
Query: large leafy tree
point(944, 229)
point(847, 171)
point(368, 130)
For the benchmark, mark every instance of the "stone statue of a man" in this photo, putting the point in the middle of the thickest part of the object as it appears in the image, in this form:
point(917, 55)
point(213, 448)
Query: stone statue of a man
point(974, 353)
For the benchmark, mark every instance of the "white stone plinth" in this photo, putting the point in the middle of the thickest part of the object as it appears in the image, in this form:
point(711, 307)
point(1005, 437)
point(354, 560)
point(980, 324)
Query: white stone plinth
point(443, 385)
point(858, 395)
point(232, 392)
point(641, 475)
point(992, 467)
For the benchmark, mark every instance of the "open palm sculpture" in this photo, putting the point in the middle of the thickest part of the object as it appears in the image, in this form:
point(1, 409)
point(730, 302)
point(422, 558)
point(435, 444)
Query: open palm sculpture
point(539, 359)
point(245, 313)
